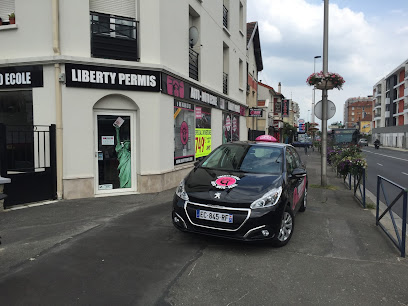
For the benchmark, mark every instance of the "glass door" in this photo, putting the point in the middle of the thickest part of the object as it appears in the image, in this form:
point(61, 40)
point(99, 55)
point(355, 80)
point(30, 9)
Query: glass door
point(115, 160)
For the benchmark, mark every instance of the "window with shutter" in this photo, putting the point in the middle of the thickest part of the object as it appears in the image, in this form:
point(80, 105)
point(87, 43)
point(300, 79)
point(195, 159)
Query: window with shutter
point(6, 8)
point(125, 8)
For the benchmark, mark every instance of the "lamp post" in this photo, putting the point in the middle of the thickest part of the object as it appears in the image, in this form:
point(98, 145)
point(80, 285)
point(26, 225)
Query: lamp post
point(313, 102)
point(324, 94)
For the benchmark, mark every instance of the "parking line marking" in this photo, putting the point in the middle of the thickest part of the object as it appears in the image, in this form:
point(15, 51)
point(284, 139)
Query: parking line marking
point(404, 173)
point(386, 155)
point(379, 164)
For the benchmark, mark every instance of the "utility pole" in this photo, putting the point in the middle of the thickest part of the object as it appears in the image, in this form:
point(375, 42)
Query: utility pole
point(324, 94)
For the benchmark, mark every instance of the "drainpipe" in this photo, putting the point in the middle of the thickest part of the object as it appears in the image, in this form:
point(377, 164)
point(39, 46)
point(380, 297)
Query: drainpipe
point(58, 95)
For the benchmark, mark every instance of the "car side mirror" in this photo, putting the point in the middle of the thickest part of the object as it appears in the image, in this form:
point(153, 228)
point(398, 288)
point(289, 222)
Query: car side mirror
point(299, 173)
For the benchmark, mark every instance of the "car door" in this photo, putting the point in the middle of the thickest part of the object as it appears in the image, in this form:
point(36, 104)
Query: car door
point(292, 181)
point(298, 183)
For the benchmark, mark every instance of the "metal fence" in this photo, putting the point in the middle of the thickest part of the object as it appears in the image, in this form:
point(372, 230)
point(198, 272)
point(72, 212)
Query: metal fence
point(398, 237)
point(359, 183)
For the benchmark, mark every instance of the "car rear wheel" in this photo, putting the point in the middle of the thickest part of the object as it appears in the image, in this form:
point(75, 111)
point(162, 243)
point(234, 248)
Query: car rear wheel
point(286, 229)
point(304, 204)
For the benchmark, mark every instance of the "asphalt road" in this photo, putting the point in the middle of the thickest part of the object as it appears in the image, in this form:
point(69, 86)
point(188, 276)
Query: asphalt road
point(390, 164)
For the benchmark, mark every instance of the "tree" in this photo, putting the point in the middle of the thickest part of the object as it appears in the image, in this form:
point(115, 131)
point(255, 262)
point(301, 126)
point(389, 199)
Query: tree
point(288, 132)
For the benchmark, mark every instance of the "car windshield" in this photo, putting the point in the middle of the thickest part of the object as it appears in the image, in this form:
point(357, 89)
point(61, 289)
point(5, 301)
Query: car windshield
point(255, 159)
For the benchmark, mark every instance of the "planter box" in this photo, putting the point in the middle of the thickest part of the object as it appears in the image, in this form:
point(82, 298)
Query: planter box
point(325, 84)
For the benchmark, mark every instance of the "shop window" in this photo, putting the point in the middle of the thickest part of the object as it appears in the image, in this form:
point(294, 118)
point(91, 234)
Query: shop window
point(184, 131)
point(202, 131)
point(230, 127)
point(16, 107)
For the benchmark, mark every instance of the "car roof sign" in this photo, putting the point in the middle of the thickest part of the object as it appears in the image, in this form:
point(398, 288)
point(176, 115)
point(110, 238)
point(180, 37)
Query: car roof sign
point(266, 138)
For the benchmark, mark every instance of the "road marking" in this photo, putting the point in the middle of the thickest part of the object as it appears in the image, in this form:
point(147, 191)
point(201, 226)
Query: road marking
point(404, 173)
point(386, 155)
point(379, 164)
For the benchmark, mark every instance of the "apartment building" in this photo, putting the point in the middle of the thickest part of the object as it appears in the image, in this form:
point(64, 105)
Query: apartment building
point(254, 65)
point(117, 97)
point(355, 110)
point(270, 101)
point(390, 108)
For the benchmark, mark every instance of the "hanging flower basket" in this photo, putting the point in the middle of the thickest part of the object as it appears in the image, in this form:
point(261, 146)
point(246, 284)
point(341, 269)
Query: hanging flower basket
point(329, 80)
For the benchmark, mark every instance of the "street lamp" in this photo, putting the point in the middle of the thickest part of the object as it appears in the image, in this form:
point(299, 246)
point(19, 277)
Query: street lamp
point(313, 102)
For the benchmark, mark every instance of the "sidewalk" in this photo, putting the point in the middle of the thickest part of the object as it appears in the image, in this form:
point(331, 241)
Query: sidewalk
point(337, 254)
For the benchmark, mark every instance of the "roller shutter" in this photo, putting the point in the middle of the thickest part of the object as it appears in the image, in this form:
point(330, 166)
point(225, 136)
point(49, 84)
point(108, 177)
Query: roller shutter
point(6, 8)
point(125, 8)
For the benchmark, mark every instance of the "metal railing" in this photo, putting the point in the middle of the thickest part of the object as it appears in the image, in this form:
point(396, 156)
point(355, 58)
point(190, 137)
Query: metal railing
point(400, 239)
point(193, 64)
point(114, 37)
point(225, 17)
point(225, 83)
point(358, 186)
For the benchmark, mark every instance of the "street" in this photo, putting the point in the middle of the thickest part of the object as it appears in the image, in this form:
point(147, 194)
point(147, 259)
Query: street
point(125, 251)
point(391, 164)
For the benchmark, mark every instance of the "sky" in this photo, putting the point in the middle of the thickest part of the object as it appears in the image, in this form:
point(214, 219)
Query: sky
point(367, 40)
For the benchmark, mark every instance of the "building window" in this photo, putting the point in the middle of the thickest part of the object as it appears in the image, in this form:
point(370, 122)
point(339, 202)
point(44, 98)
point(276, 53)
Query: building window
point(241, 74)
point(194, 38)
point(225, 78)
point(352, 108)
point(241, 17)
point(352, 113)
point(6, 8)
point(113, 37)
point(16, 107)
point(225, 13)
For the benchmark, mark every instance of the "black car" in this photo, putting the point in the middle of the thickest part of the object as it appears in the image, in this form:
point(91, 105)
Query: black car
point(243, 190)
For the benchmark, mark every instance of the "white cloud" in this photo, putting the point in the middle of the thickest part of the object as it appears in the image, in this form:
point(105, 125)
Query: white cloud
point(361, 50)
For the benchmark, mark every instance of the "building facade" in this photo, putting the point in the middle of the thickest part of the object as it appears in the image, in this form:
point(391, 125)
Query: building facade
point(135, 89)
point(355, 110)
point(390, 104)
point(254, 66)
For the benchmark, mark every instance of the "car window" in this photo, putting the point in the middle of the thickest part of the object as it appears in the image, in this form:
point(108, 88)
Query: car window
point(297, 161)
point(226, 157)
point(290, 160)
point(263, 160)
point(256, 159)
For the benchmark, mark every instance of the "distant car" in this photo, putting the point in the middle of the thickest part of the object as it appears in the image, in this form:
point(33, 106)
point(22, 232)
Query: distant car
point(363, 142)
point(302, 143)
point(243, 190)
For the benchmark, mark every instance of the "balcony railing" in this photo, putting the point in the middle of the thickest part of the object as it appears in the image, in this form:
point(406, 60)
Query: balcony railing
point(225, 17)
point(114, 37)
point(225, 83)
point(406, 92)
point(377, 104)
point(193, 64)
point(377, 115)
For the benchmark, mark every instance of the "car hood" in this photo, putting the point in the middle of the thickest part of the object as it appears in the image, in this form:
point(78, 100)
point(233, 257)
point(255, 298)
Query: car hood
point(203, 184)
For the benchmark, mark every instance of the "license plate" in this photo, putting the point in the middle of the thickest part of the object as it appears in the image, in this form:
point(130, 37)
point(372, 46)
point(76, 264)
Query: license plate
point(214, 216)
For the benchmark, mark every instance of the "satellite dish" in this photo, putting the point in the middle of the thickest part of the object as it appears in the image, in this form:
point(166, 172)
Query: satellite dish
point(192, 36)
point(331, 109)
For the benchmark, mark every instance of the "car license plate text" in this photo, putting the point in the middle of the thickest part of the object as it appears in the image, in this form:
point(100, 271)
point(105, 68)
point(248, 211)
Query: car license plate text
point(214, 216)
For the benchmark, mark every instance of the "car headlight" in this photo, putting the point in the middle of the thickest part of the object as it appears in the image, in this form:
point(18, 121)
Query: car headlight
point(268, 199)
point(181, 192)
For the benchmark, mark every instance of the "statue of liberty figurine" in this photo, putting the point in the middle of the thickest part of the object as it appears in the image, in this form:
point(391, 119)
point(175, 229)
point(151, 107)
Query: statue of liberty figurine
point(123, 152)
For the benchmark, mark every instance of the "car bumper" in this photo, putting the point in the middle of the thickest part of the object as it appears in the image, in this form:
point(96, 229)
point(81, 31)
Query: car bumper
point(259, 224)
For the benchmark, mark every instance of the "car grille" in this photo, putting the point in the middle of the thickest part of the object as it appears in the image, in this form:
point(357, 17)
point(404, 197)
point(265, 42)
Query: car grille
point(240, 216)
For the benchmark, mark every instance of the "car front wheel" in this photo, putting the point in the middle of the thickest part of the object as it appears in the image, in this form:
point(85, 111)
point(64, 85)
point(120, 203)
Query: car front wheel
point(286, 229)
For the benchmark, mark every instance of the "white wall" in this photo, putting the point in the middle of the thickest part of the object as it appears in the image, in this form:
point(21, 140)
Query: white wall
point(32, 36)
